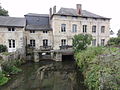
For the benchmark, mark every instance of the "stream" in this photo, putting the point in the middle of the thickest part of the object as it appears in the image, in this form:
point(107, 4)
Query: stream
point(46, 75)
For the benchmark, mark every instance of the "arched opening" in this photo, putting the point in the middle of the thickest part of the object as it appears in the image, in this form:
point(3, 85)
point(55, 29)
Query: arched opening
point(68, 58)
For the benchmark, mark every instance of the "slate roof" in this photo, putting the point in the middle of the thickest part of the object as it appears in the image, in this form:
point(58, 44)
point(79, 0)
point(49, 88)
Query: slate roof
point(34, 14)
point(37, 22)
point(73, 12)
point(12, 21)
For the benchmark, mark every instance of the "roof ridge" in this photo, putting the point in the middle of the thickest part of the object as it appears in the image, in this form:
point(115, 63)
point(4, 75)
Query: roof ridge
point(13, 17)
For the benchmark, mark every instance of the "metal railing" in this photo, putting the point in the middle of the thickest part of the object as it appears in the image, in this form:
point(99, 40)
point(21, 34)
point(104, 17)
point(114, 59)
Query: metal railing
point(66, 47)
point(45, 48)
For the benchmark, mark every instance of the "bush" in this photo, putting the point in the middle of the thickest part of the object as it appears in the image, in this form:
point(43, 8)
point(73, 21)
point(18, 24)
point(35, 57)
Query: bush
point(3, 79)
point(100, 68)
point(114, 41)
point(3, 48)
point(10, 67)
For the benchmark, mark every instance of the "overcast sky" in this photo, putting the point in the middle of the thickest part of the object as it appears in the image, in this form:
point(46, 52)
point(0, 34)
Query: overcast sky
point(107, 8)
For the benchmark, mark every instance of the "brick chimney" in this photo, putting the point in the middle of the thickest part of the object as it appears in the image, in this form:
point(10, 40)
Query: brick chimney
point(79, 9)
point(50, 12)
point(54, 9)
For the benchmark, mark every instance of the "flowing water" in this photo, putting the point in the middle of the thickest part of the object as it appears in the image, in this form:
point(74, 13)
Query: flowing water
point(46, 75)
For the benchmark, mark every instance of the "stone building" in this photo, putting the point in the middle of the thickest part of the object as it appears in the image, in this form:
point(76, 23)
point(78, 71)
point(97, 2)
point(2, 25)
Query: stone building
point(54, 30)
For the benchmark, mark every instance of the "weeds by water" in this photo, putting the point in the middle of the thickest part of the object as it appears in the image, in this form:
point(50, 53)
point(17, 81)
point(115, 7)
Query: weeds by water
point(100, 67)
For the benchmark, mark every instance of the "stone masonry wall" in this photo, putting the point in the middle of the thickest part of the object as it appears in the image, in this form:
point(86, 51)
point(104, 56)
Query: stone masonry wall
point(68, 35)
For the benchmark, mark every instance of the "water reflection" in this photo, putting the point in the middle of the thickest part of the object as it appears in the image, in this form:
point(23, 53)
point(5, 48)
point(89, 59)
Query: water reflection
point(45, 76)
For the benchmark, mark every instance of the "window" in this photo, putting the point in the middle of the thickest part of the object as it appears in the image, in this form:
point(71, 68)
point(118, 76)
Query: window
point(32, 31)
point(74, 28)
point(63, 42)
point(84, 28)
point(102, 29)
point(63, 16)
point(45, 42)
point(94, 42)
point(102, 42)
point(32, 43)
point(11, 43)
point(44, 31)
point(74, 17)
point(63, 27)
point(93, 29)
point(11, 29)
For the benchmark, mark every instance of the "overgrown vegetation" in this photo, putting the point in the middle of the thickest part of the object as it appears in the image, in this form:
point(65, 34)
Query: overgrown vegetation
point(100, 67)
point(9, 68)
point(3, 78)
point(114, 41)
point(3, 48)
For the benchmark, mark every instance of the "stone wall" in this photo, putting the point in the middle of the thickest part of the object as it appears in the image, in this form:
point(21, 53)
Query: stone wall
point(17, 35)
point(39, 36)
point(68, 35)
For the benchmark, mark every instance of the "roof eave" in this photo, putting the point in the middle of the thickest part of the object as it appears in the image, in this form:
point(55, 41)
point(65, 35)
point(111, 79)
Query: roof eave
point(11, 26)
point(81, 16)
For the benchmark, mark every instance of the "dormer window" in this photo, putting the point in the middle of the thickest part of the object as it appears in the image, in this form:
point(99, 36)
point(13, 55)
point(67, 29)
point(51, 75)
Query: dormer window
point(45, 31)
point(32, 31)
point(74, 17)
point(63, 16)
point(11, 29)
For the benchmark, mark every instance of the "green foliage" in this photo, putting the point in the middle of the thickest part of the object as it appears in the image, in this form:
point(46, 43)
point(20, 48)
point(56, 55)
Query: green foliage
point(3, 12)
point(100, 68)
point(86, 56)
point(3, 48)
point(3, 79)
point(118, 34)
point(114, 41)
point(10, 67)
point(81, 41)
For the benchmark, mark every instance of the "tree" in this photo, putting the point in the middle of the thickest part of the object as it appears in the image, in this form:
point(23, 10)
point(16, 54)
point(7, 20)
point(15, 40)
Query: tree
point(118, 34)
point(81, 41)
point(3, 12)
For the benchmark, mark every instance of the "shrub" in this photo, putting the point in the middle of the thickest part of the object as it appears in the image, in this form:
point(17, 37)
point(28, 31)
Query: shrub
point(114, 41)
point(3, 48)
point(10, 67)
point(3, 79)
point(100, 68)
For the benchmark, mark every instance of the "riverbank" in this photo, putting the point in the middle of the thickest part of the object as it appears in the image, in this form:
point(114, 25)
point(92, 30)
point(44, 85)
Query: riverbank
point(9, 63)
point(100, 67)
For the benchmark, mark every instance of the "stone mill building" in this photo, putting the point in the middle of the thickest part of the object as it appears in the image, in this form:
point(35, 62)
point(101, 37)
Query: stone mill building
point(53, 31)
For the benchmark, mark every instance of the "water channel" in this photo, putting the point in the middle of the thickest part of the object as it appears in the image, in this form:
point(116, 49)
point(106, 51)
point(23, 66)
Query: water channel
point(46, 75)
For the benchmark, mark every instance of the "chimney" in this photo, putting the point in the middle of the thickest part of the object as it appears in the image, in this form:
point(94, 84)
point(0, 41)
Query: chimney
point(79, 9)
point(54, 9)
point(50, 12)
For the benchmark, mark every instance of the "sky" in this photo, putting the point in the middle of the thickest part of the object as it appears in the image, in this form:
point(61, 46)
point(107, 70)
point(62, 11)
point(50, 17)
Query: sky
point(106, 8)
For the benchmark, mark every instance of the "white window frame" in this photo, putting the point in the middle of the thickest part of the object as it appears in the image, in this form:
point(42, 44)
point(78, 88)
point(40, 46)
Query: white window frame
point(94, 29)
point(63, 27)
point(84, 28)
point(74, 28)
point(12, 43)
point(63, 42)
point(32, 43)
